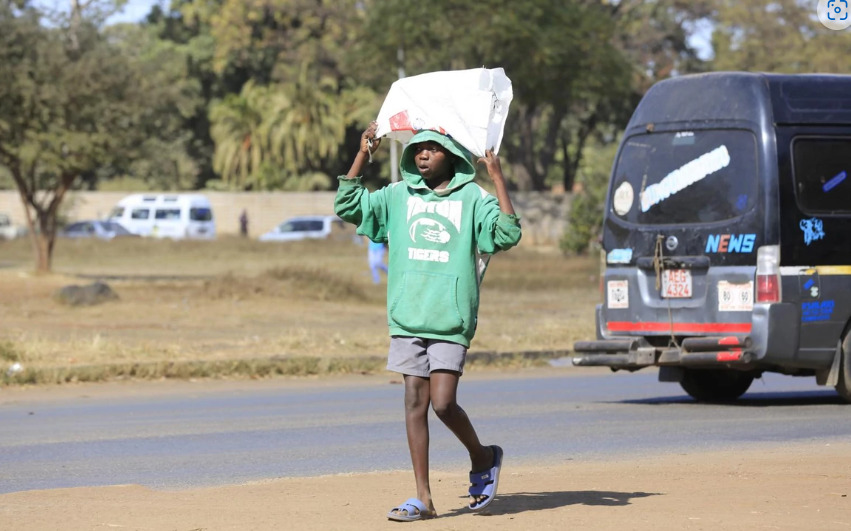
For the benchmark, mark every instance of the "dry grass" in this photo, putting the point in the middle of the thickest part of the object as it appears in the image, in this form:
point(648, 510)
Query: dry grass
point(243, 308)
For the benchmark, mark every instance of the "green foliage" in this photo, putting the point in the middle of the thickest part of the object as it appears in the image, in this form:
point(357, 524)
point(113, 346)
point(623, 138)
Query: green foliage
point(168, 97)
point(238, 131)
point(566, 74)
point(6, 182)
point(781, 36)
point(273, 94)
point(296, 102)
point(654, 36)
point(576, 66)
point(306, 122)
point(282, 136)
point(64, 105)
point(271, 39)
point(585, 218)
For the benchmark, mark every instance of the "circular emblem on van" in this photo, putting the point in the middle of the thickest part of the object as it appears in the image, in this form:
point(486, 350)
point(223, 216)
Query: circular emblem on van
point(623, 198)
point(671, 243)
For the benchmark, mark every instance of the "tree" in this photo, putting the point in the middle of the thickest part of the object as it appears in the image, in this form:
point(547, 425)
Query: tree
point(291, 53)
point(782, 36)
point(654, 35)
point(585, 217)
point(238, 130)
point(566, 75)
point(63, 112)
point(185, 29)
point(269, 40)
point(281, 135)
point(307, 123)
point(166, 99)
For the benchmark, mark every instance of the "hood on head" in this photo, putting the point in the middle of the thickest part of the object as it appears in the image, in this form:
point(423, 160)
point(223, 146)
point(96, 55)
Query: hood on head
point(465, 171)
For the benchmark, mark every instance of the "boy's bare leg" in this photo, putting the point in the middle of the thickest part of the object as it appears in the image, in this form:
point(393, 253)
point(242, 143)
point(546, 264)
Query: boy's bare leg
point(444, 390)
point(417, 400)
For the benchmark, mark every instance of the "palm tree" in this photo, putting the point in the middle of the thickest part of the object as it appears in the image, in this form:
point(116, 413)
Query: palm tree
point(239, 132)
point(307, 123)
point(282, 136)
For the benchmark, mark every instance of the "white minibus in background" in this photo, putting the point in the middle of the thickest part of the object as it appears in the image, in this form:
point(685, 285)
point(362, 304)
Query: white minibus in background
point(175, 216)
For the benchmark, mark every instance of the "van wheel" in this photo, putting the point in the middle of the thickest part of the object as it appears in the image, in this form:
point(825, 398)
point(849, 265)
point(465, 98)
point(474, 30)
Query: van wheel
point(716, 385)
point(843, 386)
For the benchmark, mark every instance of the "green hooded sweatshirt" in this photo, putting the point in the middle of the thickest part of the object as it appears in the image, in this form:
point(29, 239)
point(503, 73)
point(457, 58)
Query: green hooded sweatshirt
point(438, 243)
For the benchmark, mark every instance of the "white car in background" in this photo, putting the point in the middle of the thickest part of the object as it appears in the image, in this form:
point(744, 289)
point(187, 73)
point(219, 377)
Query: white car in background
point(303, 228)
point(8, 230)
point(102, 230)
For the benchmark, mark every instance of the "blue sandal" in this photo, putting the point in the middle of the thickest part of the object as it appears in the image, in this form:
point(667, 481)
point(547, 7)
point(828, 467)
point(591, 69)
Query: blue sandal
point(415, 508)
point(485, 483)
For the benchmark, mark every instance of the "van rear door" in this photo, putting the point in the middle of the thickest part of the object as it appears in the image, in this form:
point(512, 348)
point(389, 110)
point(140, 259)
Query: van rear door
point(681, 234)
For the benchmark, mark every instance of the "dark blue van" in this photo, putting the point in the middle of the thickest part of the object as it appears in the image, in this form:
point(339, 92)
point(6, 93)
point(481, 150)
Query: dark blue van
point(727, 234)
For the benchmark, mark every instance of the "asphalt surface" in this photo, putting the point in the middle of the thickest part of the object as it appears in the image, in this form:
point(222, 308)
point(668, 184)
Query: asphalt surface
point(250, 432)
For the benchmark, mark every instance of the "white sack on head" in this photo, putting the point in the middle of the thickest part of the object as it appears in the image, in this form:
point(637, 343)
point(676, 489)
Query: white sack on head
point(469, 105)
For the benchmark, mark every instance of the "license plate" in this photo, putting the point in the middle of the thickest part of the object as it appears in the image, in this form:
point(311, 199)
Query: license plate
point(735, 297)
point(676, 283)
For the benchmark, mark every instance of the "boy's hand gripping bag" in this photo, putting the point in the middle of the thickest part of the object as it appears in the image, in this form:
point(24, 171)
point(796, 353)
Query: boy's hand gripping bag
point(469, 105)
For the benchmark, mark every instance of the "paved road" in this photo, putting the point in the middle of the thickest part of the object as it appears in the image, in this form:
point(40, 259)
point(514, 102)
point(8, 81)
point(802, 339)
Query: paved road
point(269, 430)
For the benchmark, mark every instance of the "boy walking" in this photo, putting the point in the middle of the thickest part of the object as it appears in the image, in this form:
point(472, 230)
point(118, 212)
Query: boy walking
point(441, 227)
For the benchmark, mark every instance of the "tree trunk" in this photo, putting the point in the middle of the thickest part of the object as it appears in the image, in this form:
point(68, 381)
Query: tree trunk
point(44, 253)
point(41, 213)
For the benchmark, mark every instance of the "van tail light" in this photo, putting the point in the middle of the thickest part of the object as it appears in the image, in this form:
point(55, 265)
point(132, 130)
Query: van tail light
point(768, 274)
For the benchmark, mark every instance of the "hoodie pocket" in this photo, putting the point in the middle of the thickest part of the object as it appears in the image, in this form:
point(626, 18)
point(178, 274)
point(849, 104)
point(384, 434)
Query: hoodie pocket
point(427, 302)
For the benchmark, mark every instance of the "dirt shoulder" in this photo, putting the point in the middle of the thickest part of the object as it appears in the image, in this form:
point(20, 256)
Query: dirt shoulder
point(802, 486)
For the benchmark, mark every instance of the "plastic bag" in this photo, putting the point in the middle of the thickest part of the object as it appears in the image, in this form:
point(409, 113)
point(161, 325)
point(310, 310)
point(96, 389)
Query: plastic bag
point(469, 105)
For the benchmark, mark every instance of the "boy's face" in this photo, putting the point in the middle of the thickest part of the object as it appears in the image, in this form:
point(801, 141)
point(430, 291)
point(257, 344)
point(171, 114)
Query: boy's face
point(432, 160)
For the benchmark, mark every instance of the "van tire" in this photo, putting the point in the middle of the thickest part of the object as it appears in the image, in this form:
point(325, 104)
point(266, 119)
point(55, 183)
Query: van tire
point(843, 385)
point(715, 385)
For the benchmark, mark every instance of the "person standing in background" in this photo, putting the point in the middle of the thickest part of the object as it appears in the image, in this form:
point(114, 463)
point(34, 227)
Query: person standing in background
point(243, 224)
point(376, 254)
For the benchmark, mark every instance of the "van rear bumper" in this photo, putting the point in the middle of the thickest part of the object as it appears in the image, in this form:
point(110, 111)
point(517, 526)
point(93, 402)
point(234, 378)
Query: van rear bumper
point(773, 338)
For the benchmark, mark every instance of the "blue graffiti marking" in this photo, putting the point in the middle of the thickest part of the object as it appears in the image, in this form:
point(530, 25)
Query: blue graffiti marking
point(809, 284)
point(741, 202)
point(816, 311)
point(813, 229)
point(834, 182)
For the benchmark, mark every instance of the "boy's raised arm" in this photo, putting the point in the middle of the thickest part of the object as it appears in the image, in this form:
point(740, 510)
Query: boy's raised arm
point(365, 151)
point(491, 161)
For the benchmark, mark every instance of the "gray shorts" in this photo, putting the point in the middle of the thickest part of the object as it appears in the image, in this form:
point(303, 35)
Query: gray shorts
point(417, 356)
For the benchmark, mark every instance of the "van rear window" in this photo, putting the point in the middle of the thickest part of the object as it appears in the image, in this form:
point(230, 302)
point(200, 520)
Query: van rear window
point(822, 174)
point(699, 176)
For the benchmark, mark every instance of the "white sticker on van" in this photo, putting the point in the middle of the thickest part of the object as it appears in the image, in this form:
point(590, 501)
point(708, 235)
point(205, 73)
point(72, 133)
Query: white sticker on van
point(623, 198)
point(735, 297)
point(618, 294)
point(684, 176)
point(619, 256)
